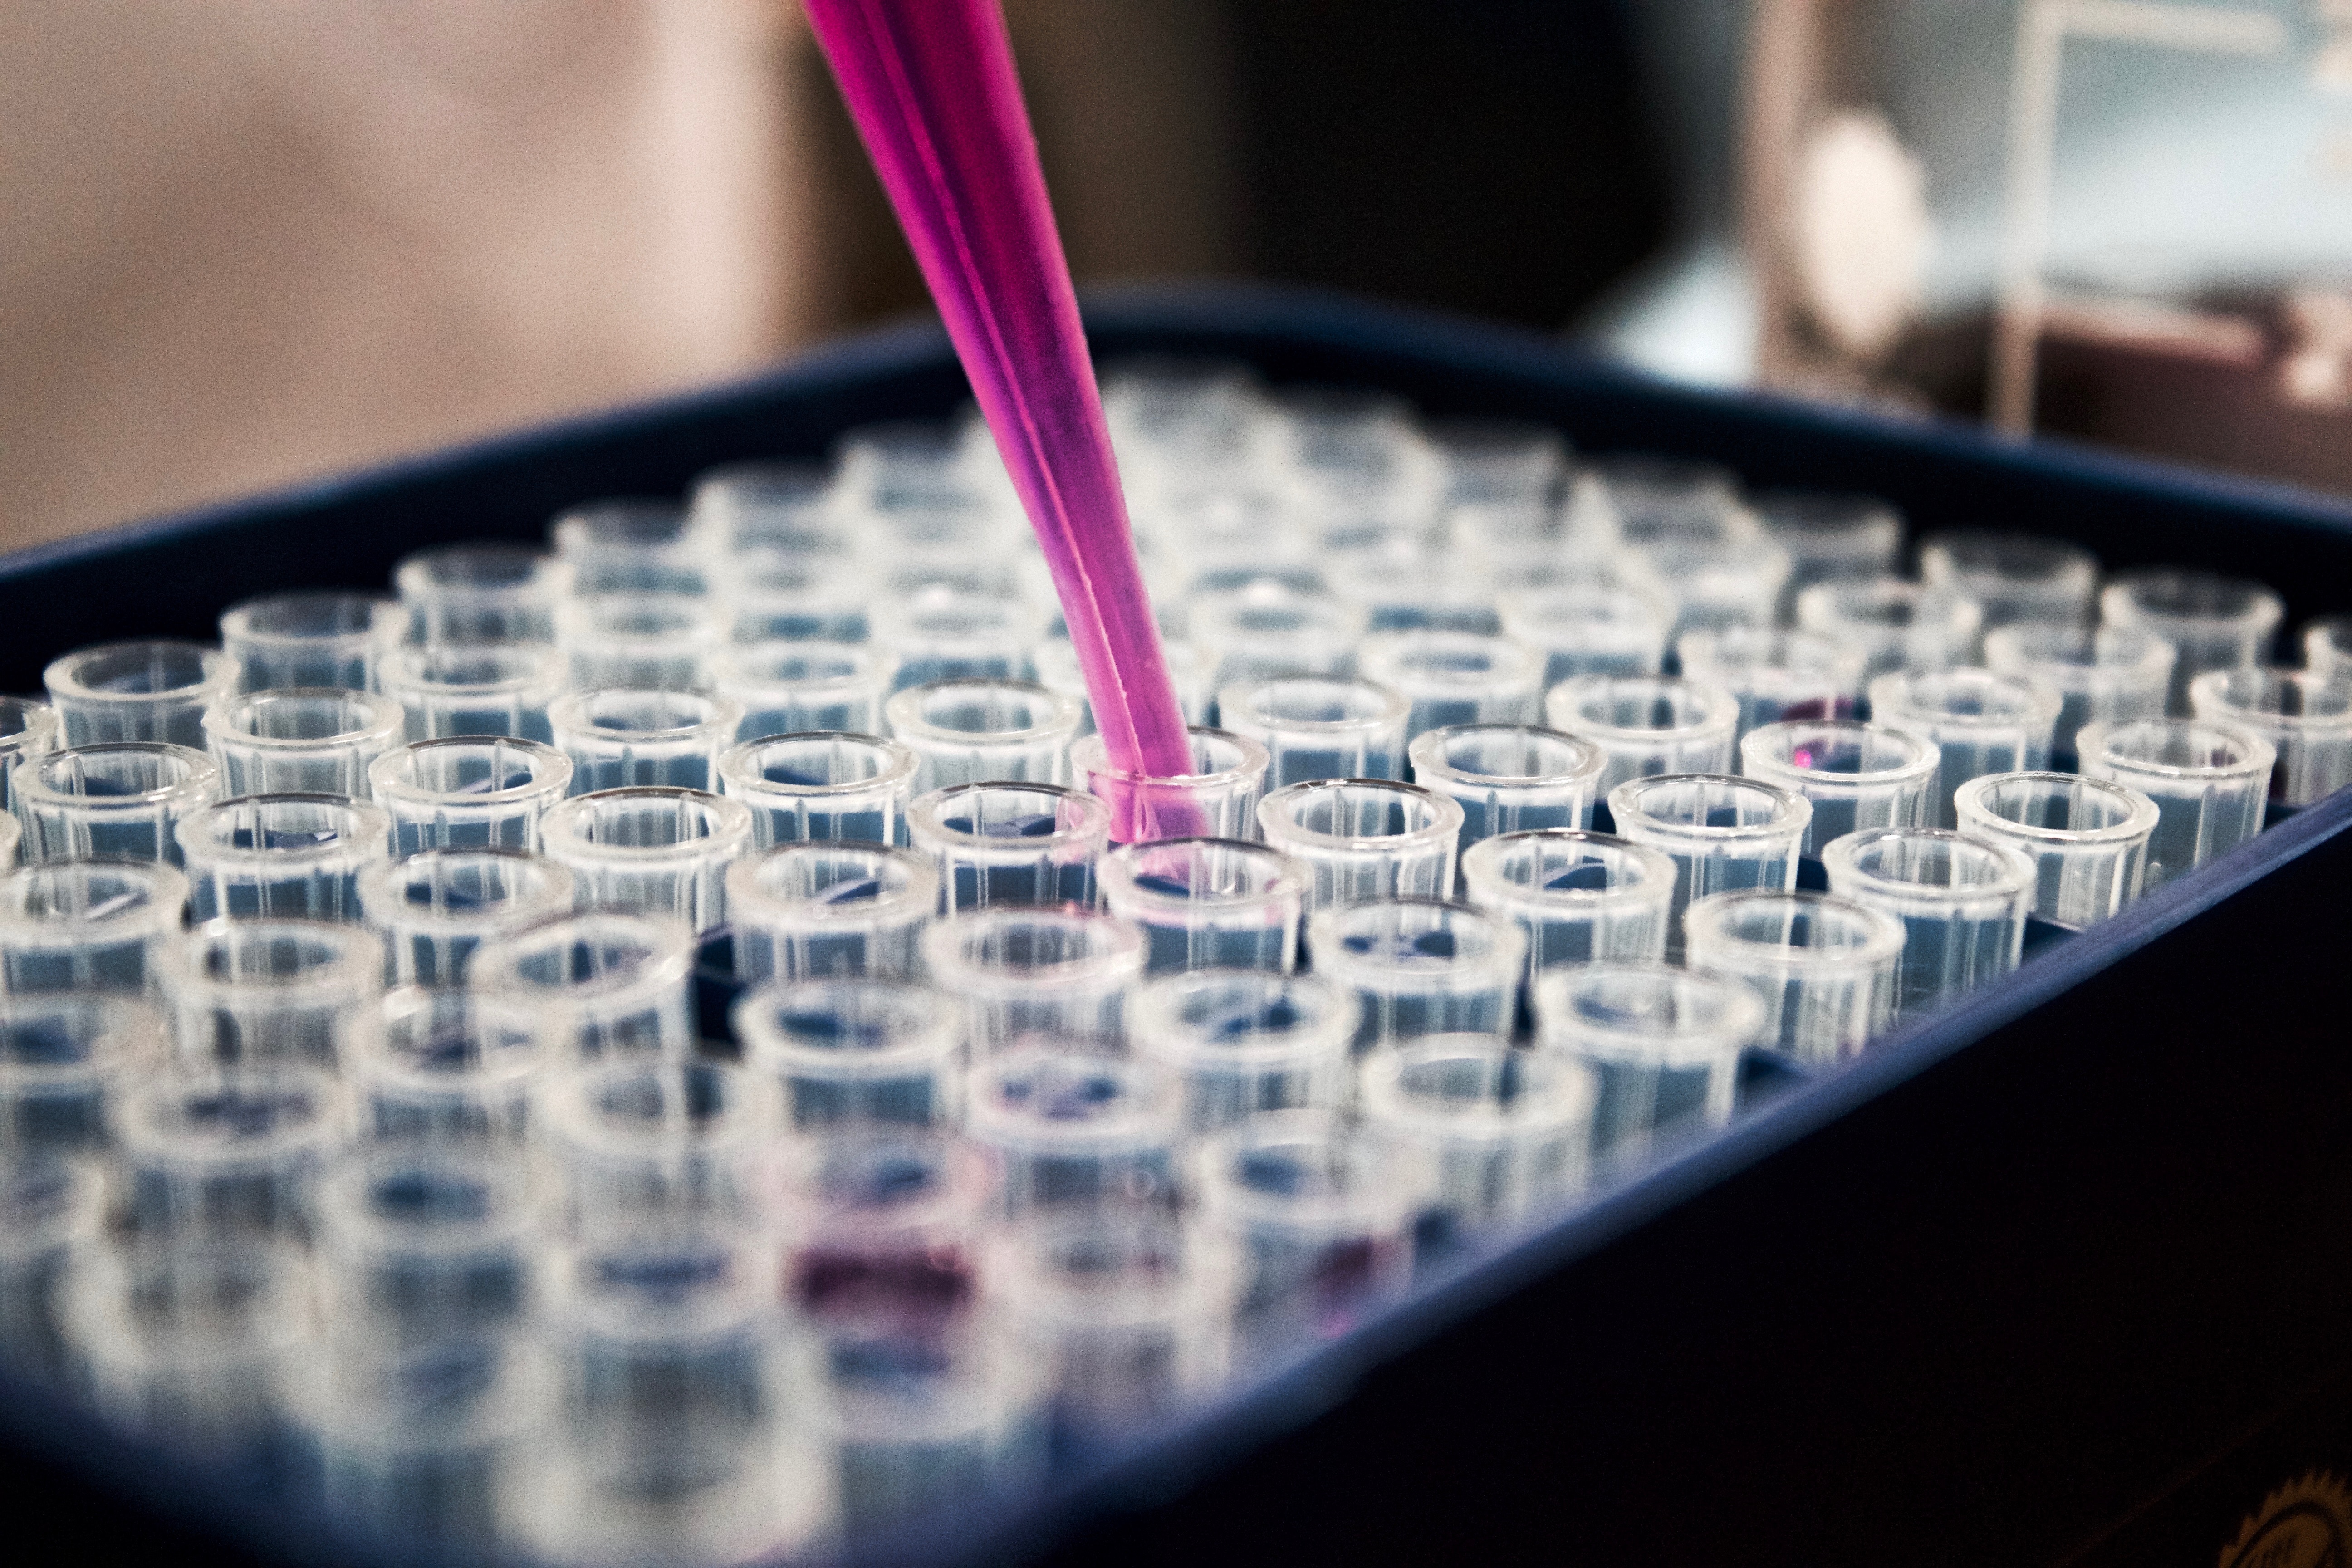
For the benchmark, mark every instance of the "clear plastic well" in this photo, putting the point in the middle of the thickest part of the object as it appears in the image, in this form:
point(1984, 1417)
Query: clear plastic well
point(1422, 966)
point(1662, 1045)
point(1319, 727)
point(1579, 897)
point(437, 908)
point(1962, 902)
point(2209, 782)
point(300, 740)
point(328, 640)
point(1647, 724)
point(1009, 844)
point(274, 856)
point(2212, 622)
point(1243, 1042)
point(1207, 903)
point(2087, 837)
point(87, 925)
point(1509, 778)
point(1853, 775)
point(822, 786)
point(803, 910)
point(786, 688)
point(651, 851)
point(474, 689)
point(1725, 834)
point(984, 732)
point(1062, 974)
point(2110, 675)
point(126, 800)
point(485, 792)
point(1504, 1134)
point(1365, 839)
point(1980, 722)
point(626, 738)
point(1823, 966)
point(600, 983)
point(1218, 799)
point(852, 1052)
point(272, 991)
point(137, 691)
point(2306, 718)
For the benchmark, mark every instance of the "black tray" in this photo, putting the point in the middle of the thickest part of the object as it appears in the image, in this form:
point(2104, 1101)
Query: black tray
point(2015, 1287)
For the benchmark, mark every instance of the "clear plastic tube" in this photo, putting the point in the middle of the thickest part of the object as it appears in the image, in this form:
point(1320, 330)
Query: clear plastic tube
point(1578, 896)
point(1062, 974)
point(1981, 723)
point(1244, 1042)
point(327, 640)
point(485, 592)
point(437, 908)
point(1322, 1217)
point(230, 1150)
point(52, 1218)
point(653, 1142)
point(1314, 727)
point(475, 688)
point(1207, 903)
point(1853, 775)
point(2012, 576)
point(1663, 1044)
point(280, 856)
point(300, 740)
point(1713, 584)
point(1831, 538)
point(1073, 1128)
point(1646, 725)
point(1218, 799)
point(266, 992)
point(984, 732)
point(1899, 627)
point(1422, 966)
point(1504, 1134)
point(2304, 716)
point(2087, 837)
point(790, 688)
point(637, 642)
point(29, 731)
point(822, 786)
point(660, 852)
point(630, 546)
point(629, 739)
point(1009, 844)
point(1509, 778)
point(1587, 629)
point(1365, 839)
point(2209, 782)
point(763, 506)
point(768, 596)
point(1725, 834)
point(1823, 966)
point(1658, 498)
point(600, 983)
point(801, 910)
point(448, 1068)
point(424, 1242)
point(124, 801)
point(856, 1052)
point(942, 634)
point(485, 792)
point(2328, 645)
point(1962, 902)
point(2111, 675)
point(66, 1061)
point(1266, 633)
point(2212, 622)
point(137, 691)
point(1456, 678)
point(1775, 675)
point(87, 925)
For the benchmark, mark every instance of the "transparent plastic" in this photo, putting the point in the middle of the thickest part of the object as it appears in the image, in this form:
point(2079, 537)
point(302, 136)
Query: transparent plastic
point(280, 856)
point(785, 506)
point(231, 1149)
point(820, 786)
point(1265, 632)
point(1587, 629)
point(984, 732)
point(803, 910)
point(769, 595)
point(1062, 973)
point(1218, 799)
point(1853, 775)
point(599, 984)
point(1981, 723)
point(300, 740)
point(629, 739)
point(1823, 966)
point(2306, 718)
point(1578, 896)
point(1316, 727)
point(1713, 584)
point(485, 792)
point(1509, 778)
point(1775, 675)
point(1725, 834)
point(650, 851)
point(1646, 724)
point(137, 691)
point(2212, 622)
point(87, 925)
point(1365, 839)
point(1422, 966)
point(475, 688)
point(2328, 645)
point(1207, 903)
point(334, 641)
point(1009, 844)
point(856, 1052)
point(2087, 837)
point(1056, 661)
point(939, 635)
point(637, 642)
point(2012, 576)
point(29, 731)
point(1504, 1134)
point(1076, 1128)
point(481, 593)
point(52, 1218)
point(263, 992)
point(424, 1242)
point(2209, 782)
point(449, 1067)
point(788, 687)
point(1243, 1042)
point(630, 546)
point(1962, 902)
point(124, 801)
point(2110, 675)
point(1663, 1044)
point(437, 908)
point(1831, 538)
point(655, 1141)
point(1456, 678)
point(66, 1061)
point(1899, 627)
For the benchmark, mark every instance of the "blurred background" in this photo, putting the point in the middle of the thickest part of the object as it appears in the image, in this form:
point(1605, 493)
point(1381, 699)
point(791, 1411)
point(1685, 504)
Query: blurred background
point(258, 240)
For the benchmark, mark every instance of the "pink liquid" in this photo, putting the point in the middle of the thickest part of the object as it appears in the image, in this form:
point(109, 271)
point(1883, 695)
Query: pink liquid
point(930, 84)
